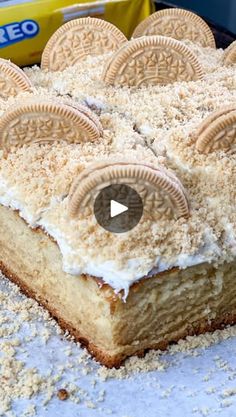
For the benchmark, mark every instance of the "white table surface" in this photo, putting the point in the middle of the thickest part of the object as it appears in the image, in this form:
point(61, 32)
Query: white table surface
point(189, 386)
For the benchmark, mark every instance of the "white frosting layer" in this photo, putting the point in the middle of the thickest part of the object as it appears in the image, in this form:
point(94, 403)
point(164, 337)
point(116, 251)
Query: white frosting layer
point(110, 272)
point(9, 198)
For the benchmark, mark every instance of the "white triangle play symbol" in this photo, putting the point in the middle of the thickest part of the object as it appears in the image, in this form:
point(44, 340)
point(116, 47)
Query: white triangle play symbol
point(117, 208)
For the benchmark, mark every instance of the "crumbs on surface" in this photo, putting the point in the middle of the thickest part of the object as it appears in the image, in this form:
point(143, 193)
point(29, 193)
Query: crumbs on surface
point(24, 376)
point(23, 322)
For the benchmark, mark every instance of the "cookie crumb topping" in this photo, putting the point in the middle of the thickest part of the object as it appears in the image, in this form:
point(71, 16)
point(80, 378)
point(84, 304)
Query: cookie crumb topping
point(152, 125)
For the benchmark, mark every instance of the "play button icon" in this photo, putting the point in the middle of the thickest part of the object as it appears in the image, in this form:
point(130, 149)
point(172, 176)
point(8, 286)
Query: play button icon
point(118, 208)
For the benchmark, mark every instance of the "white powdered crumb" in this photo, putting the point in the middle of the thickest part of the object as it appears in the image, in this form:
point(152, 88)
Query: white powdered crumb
point(90, 404)
point(167, 393)
point(223, 365)
point(30, 411)
point(203, 411)
point(204, 341)
point(226, 403)
point(152, 361)
point(228, 392)
point(210, 390)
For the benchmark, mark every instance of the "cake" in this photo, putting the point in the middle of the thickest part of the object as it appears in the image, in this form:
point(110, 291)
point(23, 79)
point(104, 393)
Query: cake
point(155, 113)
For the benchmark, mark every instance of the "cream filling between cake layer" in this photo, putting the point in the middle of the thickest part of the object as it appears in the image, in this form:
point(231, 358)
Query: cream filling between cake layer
point(110, 271)
point(119, 278)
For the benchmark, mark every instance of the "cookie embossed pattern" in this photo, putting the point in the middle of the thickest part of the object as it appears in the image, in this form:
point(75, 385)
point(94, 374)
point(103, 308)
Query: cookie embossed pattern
point(178, 24)
point(42, 121)
point(218, 131)
point(12, 80)
point(229, 57)
point(162, 195)
point(79, 38)
point(152, 60)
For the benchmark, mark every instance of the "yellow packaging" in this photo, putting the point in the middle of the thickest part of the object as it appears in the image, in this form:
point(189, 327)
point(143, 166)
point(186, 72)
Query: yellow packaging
point(26, 25)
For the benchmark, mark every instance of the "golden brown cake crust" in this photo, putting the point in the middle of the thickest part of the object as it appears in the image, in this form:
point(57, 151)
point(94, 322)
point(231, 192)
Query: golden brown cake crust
point(116, 361)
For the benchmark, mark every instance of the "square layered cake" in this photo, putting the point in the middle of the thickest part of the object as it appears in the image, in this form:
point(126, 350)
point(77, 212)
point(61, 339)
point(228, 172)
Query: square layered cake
point(156, 114)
